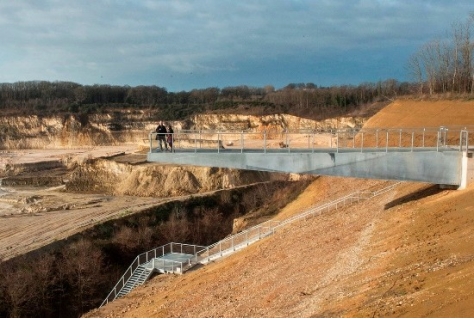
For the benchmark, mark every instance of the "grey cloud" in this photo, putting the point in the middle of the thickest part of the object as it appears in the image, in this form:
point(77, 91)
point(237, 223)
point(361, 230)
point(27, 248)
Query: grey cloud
point(60, 39)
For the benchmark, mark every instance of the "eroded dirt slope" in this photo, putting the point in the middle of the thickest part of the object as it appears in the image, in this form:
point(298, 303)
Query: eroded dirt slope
point(410, 113)
point(407, 253)
point(367, 260)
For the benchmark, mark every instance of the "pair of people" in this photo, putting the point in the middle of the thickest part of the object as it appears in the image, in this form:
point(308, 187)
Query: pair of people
point(164, 136)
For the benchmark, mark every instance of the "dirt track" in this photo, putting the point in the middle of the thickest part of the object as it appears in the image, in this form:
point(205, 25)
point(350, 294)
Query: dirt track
point(32, 217)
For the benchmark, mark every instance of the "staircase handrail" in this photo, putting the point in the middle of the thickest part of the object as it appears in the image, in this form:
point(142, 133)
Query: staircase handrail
point(345, 200)
point(263, 229)
point(270, 226)
point(147, 256)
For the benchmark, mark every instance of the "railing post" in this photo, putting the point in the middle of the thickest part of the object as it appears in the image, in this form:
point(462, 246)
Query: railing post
point(437, 141)
point(362, 142)
point(337, 142)
point(444, 130)
point(172, 142)
point(424, 137)
point(400, 139)
point(264, 141)
point(466, 134)
point(377, 138)
point(353, 138)
point(412, 140)
point(195, 143)
point(463, 139)
point(241, 141)
point(331, 138)
point(150, 136)
point(442, 136)
point(386, 143)
point(218, 142)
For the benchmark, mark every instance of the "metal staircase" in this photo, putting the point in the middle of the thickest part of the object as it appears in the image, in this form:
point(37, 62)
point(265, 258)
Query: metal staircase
point(178, 258)
point(169, 258)
point(139, 276)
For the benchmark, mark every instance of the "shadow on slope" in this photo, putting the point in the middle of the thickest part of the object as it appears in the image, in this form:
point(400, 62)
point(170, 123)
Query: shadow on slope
point(414, 196)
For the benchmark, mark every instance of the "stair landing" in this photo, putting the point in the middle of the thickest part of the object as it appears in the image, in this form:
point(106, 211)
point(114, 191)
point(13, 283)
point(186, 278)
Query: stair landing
point(170, 263)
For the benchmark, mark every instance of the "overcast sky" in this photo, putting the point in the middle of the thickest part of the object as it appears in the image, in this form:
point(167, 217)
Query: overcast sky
point(183, 45)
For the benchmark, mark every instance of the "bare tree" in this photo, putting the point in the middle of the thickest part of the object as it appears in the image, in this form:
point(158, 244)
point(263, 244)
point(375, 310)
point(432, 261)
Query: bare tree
point(416, 71)
point(446, 65)
point(177, 228)
point(18, 288)
point(82, 265)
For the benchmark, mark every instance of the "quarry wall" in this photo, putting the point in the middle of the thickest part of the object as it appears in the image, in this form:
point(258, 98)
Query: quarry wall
point(63, 131)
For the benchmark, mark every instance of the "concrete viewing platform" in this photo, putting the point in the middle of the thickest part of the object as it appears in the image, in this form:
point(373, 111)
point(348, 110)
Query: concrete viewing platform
point(170, 263)
point(434, 156)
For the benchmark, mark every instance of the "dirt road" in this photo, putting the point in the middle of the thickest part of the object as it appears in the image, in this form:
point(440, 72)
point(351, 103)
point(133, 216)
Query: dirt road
point(31, 217)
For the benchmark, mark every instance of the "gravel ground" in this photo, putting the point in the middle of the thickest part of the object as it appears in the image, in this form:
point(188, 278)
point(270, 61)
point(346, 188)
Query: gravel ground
point(395, 255)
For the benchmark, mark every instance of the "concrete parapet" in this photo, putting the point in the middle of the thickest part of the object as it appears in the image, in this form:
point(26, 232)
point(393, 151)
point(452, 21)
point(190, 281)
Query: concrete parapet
point(432, 166)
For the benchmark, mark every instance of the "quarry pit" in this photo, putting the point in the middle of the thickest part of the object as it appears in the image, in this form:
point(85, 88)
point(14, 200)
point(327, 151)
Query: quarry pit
point(407, 254)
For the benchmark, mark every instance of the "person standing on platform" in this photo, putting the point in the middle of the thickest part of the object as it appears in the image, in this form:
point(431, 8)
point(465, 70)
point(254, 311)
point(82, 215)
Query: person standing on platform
point(170, 137)
point(161, 136)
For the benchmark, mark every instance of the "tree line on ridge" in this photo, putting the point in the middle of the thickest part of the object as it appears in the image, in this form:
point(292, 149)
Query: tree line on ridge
point(300, 99)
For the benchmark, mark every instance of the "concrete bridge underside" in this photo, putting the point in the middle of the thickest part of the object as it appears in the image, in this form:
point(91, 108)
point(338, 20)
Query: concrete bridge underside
point(447, 167)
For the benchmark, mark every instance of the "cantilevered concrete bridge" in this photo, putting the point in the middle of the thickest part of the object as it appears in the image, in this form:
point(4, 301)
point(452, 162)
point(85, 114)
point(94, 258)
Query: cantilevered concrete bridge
point(433, 155)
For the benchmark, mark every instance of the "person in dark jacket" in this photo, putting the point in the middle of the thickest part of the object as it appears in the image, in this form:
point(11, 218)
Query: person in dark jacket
point(161, 136)
point(170, 137)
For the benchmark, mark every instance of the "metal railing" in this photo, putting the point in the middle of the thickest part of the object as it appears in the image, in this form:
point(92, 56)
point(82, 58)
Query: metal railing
point(151, 255)
point(174, 266)
point(255, 233)
point(375, 139)
point(231, 243)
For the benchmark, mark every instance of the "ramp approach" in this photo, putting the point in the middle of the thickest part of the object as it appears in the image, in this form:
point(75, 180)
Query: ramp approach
point(434, 155)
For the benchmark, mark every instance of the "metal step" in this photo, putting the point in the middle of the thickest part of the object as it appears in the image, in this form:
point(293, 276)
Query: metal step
point(139, 276)
point(231, 244)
